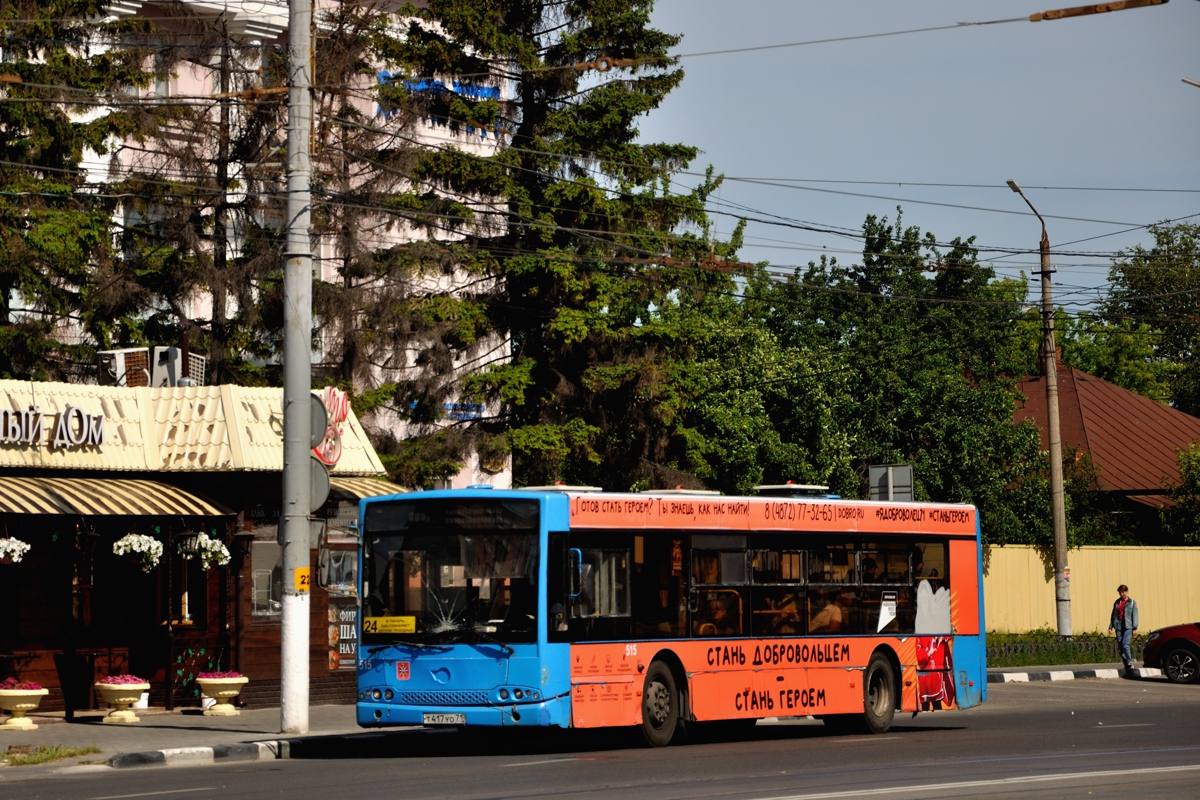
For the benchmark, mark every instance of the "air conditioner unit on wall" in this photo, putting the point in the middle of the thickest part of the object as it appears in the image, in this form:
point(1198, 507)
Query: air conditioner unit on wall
point(167, 369)
point(128, 367)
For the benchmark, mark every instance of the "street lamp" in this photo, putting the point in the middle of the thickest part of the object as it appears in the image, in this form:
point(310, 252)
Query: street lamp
point(1058, 512)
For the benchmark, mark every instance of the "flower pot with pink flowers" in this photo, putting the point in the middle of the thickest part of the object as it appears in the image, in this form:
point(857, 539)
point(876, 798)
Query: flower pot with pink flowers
point(19, 698)
point(121, 692)
point(222, 687)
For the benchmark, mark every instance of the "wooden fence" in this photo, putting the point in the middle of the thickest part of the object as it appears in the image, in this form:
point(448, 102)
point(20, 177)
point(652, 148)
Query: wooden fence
point(1018, 586)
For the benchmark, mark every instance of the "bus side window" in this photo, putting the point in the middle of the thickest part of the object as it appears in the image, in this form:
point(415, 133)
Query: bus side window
point(719, 613)
point(888, 599)
point(778, 593)
point(659, 594)
point(604, 585)
point(557, 587)
point(931, 585)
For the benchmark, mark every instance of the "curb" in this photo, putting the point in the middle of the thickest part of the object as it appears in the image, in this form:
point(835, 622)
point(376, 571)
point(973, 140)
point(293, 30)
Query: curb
point(183, 756)
point(1072, 674)
point(305, 746)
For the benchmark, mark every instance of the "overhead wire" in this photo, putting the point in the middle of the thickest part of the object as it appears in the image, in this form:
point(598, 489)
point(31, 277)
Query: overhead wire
point(816, 228)
point(859, 235)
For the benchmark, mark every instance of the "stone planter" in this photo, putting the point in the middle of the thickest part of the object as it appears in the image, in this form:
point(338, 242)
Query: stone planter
point(222, 690)
point(20, 702)
point(121, 696)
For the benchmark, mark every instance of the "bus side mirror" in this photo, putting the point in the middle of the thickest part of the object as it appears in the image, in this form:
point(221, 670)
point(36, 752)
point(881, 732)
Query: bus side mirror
point(575, 568)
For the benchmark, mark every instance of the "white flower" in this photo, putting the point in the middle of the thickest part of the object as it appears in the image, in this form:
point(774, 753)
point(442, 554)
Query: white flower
point(13, 548)
point(147, 547)
point(211, 551)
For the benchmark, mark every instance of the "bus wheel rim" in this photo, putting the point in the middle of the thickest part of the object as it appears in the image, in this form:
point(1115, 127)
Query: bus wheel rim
point(878, 693)
point(658, 703)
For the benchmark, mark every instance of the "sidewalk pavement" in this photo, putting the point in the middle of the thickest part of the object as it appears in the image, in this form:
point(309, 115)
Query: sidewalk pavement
point(181, 736)
point(187, 737)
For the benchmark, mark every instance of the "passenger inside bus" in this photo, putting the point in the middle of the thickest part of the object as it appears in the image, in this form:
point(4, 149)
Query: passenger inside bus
point(717, 619)
point(834, 616)
point(869, 570)
point(779, 616)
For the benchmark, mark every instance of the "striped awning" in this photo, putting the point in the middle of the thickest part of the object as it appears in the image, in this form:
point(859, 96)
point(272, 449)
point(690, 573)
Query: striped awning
point(100, 497)
point(359, 488)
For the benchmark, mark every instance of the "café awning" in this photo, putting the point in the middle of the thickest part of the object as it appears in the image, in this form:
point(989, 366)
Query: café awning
point(359, 488)
point(101, 497)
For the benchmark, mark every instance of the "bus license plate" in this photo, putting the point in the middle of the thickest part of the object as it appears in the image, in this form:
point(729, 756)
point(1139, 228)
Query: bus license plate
point(444, 719)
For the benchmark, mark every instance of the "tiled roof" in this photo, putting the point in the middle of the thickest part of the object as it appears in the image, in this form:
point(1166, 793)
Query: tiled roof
point(190, 428)
point(183, 429)
point(1132, 439)
point(124, 448)
point(257, 418)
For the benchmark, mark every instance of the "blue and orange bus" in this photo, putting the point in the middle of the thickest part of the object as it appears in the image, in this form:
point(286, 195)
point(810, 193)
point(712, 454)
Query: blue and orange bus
point(573, 608)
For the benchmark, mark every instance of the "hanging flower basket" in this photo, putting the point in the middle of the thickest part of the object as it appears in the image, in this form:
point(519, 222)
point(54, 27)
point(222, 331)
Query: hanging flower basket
point(211, 551)
point(19, 699)
point(146, 549)
point(12, 550)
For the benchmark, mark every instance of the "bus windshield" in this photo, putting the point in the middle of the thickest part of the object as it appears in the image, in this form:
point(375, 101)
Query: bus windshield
point(453, 571)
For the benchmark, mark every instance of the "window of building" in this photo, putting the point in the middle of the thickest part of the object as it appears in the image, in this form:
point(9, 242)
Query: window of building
point(266, 568)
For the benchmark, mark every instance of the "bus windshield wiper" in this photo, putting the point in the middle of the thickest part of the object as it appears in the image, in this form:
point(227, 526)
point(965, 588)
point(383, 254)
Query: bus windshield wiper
point(419, 645)
point(493, 640)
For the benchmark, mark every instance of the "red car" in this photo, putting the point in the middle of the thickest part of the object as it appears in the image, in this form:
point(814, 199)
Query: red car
point(1176, 651)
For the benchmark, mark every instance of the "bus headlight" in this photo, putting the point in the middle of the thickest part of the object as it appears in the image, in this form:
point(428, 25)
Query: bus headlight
point(504, 694)
point(388, 695)
point(376, 694)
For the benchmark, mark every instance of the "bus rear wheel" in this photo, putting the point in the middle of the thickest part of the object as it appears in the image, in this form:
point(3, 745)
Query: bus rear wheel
point(660, 705)
point(879, 694)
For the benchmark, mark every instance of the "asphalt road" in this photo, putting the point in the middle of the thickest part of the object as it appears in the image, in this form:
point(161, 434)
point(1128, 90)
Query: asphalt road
point(1097, 739)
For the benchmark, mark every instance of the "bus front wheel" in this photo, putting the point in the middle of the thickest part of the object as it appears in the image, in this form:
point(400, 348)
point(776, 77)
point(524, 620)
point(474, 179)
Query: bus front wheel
point(879, 694)
point(660, 705)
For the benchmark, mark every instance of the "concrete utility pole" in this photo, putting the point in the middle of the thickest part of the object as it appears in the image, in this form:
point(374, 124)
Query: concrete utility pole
point(217, 351)
point(297, 379)
point(1058, 510)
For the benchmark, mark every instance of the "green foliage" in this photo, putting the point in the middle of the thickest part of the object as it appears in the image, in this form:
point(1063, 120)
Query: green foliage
point(1181, 520)
point(1093, 515)
point(59, 274)
point(1121, 352)
point(46, 753)
point(928, 348)
point(1154, 297)
point(1045, 647)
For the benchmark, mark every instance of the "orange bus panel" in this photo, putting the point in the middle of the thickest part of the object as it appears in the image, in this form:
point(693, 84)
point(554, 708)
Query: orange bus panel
point(622, 512)
point(964, 595)
point(731, 679)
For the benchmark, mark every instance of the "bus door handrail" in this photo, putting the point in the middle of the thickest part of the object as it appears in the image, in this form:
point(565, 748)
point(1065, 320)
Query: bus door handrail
point(576, 588)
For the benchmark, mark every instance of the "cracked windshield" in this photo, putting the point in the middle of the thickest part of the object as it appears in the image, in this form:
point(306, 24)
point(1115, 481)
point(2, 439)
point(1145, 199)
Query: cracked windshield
point(452, 571)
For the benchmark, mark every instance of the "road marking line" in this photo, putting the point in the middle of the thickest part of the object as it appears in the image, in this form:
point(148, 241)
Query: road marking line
point(1025, 779)
point(155, 794)
point(1128, 725)
point(547, 761)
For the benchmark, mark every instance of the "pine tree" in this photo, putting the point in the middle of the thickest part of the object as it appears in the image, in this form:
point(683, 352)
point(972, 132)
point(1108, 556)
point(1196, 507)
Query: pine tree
point(63, 288)
point(570, 235)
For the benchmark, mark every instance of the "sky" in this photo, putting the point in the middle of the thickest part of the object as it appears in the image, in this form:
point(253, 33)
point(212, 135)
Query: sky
point(1071, 109)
